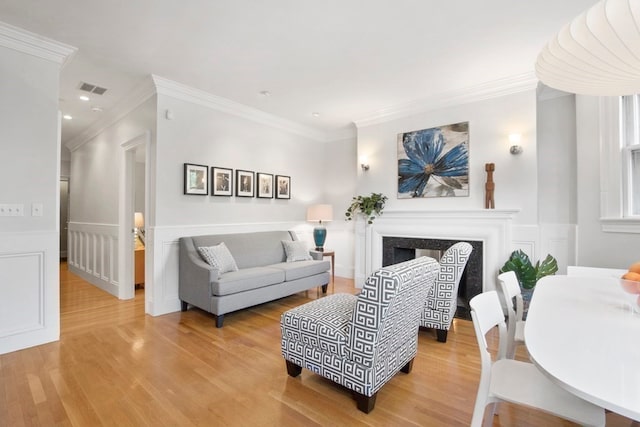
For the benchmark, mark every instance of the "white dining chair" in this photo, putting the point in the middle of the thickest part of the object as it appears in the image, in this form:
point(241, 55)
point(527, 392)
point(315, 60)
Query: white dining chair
point(510, 291)
point(508, 380)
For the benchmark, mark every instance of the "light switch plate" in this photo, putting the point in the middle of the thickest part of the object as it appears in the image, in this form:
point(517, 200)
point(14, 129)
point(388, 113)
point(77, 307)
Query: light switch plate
point(36, 209)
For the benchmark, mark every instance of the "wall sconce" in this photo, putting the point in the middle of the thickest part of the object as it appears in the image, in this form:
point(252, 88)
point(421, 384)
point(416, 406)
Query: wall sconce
point(364, 163)
point(516, 148)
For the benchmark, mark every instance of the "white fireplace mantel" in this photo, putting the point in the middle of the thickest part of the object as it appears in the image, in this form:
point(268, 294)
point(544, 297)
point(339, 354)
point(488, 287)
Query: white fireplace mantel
point(493, 227)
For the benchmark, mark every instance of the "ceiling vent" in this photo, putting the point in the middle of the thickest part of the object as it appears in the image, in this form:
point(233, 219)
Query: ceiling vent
point(88, 87)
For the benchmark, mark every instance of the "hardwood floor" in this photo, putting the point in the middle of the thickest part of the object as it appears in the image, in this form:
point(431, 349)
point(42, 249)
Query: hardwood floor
point(114, 365)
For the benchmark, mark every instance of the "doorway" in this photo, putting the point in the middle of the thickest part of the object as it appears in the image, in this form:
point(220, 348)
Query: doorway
point(64, 217)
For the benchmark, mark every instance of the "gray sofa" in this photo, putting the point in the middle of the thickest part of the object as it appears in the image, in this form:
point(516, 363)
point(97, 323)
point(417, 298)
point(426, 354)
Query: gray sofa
point(263, 273)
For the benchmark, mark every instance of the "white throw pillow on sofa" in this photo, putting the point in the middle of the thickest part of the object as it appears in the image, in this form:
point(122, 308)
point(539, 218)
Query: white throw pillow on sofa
point(218, 257)
point(296, 250)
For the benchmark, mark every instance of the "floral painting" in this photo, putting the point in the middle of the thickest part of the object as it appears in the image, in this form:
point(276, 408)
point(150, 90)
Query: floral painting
point(434, 162)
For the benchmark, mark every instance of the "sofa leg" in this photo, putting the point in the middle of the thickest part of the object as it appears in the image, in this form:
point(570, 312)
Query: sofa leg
point(442, 335)
point(324, 288)
point(184, 305)
point(407, 368)
point(292, 369)
point(365, 403)
point(219, 320)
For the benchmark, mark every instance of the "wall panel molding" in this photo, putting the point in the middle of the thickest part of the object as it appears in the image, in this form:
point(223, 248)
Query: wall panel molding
point(29, 289)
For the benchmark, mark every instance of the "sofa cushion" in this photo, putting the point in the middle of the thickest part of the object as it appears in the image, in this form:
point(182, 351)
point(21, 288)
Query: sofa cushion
point(296, 250)
point(256, 249)
point(297, 270)
point(219, 257)
point(246, 279)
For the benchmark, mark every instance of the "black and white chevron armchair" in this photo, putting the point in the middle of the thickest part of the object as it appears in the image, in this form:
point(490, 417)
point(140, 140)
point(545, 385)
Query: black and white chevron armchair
point(361, 341)
point(442, 300)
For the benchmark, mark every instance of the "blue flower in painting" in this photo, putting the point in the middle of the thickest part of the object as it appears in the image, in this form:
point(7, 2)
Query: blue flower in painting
point(426, 160)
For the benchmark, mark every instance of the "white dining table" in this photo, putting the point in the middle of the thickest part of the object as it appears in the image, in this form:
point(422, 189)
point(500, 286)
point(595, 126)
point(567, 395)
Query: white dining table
point(583, 334)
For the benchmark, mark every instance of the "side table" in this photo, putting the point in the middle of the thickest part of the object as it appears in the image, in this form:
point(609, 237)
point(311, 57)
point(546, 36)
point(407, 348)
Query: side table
point(331, 254)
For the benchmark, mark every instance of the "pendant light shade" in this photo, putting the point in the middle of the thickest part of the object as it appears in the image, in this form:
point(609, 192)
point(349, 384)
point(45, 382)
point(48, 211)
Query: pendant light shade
point(598, 53)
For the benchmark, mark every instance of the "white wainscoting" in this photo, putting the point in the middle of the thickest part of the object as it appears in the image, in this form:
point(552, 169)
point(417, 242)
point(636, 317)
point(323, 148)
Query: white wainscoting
point(163, 243)
point(93, 254)
point(29, 289)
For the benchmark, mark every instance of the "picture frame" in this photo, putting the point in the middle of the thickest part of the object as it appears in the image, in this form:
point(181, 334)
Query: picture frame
point(245, 183)
point(434, 162)
point(196, 179)
point(264, 183)
point(283, 187)
point(221, 181)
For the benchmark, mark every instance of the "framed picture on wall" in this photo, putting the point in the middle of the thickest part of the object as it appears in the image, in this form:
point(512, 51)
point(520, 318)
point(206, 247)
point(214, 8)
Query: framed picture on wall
point(434, 162)
point(283, 187)
point(265, 185)
point(196, 179)
point(221, 181)
point(245, 185)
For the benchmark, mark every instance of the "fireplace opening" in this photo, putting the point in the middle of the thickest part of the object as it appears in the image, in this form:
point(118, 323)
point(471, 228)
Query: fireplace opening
point(400, 249)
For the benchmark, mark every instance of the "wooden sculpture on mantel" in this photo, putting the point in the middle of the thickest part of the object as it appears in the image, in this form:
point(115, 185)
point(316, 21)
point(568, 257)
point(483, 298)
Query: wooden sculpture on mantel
point(489, 187)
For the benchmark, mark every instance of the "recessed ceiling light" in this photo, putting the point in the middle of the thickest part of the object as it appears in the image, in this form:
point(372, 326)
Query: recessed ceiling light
point(83, 98)
point(67, 117)
point(96, 109)
point(315, 114)
point(265, 93)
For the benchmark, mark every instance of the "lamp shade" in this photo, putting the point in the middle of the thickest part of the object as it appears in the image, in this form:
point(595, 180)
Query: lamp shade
point(138, 220)
point(321, 213)
point(598, 53)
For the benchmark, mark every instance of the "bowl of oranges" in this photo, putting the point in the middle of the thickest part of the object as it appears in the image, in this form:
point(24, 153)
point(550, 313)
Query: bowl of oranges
point(630, 282)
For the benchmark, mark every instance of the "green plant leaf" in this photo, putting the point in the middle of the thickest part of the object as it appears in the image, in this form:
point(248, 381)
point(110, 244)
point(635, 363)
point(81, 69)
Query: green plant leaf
point(368, 206)
point(548, 266)
point(528, 275)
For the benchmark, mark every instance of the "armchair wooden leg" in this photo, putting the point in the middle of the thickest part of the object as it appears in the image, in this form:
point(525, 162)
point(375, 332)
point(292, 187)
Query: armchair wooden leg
point(184, 305)
point(292, 369)
point(442, 335)
point(219, 320)
point(407, 368)
point(324, 288)
point(365, 403)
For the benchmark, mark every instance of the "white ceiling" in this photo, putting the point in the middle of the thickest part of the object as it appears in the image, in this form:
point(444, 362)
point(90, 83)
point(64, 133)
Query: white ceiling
point(345, 59)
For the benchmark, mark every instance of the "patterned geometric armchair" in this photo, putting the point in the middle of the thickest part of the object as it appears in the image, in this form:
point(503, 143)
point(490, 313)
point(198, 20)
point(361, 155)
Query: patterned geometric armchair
point(361, 341)
point(443, 298)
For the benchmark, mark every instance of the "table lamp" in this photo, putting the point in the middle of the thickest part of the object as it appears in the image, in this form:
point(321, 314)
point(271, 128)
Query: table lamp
point(320, 213)
point(138, 223)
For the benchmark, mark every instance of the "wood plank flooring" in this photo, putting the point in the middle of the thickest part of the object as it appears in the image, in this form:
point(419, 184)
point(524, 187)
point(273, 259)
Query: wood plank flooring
point(116, 366)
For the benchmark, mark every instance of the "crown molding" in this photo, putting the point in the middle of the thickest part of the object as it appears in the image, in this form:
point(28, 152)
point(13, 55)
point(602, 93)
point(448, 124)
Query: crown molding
point(142, 92)
point(32, 44)
point(481, 92)
point(186, 93)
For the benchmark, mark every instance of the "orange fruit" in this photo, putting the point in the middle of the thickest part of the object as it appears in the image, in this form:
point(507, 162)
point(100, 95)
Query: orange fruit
point(631, 276)
point(635, 267)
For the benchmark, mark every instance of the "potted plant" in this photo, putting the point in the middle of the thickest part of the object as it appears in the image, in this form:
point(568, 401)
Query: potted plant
point(369, 206)
point(529, 274)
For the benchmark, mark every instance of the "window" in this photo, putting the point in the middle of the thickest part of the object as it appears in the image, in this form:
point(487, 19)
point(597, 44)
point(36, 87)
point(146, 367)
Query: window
point(630, 144)
point(619, 123)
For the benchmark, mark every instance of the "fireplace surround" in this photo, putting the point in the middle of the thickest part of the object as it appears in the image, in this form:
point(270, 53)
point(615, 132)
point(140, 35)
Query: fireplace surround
point(492, 228)
point(399, 249)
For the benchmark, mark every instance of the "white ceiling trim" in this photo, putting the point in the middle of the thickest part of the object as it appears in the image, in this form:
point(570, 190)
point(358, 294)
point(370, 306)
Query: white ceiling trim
point(136, 97)
point(484, 91)
point(205, 99)
point(32, 44)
